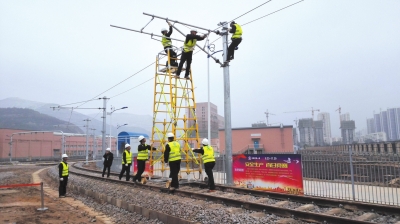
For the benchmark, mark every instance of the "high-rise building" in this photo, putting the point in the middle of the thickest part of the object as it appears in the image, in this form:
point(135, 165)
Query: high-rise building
point(347, 129)
point(306, 132)
point(202, 119)
point(318, 128)
point(345, 117)
point(371, 125)
point(378, 125)
point(384, 122)
point(325, 118)
point(393, 123)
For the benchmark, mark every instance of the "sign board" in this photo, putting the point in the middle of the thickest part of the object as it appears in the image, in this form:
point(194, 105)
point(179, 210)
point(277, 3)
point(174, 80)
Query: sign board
point(146, 173)
point(269, 172)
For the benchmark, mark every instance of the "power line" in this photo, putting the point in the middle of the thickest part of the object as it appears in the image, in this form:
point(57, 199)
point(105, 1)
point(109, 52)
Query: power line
point(274, 12)
point(77, 102)
point(132, 88)
point(250, 10)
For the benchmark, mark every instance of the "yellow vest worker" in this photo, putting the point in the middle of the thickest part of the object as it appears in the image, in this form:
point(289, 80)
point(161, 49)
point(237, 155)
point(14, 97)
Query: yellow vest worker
point(126, 162)
point(63, 173)
point(236, 38)
point(188, 47)
point(167, 44)
point(209, 162)
point(172, 156)
point(143, 155)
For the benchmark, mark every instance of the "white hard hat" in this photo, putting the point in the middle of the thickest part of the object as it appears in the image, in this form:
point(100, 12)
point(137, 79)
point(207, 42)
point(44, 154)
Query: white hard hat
point(163, 29)
point(127, 145)
point(193, 30)
point(170, 135)
point(205, 141)
point(108, 149)
point(140, 138)
point(64, 156)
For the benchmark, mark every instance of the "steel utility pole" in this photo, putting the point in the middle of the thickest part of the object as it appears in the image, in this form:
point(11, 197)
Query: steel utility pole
point(87, 139)
point(227, 108)
point(103, 132)
point(94, 143)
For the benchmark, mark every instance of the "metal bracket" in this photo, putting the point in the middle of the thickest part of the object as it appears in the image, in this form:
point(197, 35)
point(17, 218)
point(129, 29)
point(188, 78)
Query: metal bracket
point(147, 23)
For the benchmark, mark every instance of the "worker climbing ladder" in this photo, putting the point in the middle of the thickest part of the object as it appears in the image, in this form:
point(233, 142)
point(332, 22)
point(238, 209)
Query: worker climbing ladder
point(174, 112)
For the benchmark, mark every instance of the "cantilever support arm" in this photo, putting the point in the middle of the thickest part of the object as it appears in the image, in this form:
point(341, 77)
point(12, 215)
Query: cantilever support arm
point(151, 34)
point(215, 59)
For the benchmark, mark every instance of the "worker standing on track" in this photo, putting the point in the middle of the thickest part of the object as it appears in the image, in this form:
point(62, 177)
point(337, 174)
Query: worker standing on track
point(187, 52)
point(167, 44)
point(108, 159)
point(209, 162)
point(172, 156)
point(63, 175)
point(143, 156)
point(126, 162)
point(236, 38)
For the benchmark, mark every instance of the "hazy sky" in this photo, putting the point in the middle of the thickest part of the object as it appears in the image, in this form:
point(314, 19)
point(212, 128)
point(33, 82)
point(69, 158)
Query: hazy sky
point(319, 54)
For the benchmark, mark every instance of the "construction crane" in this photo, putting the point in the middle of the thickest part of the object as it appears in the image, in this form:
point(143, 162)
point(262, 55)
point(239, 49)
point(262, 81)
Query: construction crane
point(267, 114)
point(312, 114)
point(312, 111)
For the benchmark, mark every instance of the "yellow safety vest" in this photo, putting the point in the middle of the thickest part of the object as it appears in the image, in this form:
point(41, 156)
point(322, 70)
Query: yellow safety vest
point(128, 157)
point(238, 33)
point(143, 155)
point(65, 169)
point(175, 153)
point(166, 42)
point(189, 46)
point(208, 155)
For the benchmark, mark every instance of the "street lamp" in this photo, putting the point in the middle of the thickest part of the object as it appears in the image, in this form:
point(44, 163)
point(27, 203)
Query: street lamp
point(110, 113)
point(118, 126)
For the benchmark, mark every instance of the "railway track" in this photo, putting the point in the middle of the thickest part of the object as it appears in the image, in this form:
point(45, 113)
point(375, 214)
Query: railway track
point(303, 208)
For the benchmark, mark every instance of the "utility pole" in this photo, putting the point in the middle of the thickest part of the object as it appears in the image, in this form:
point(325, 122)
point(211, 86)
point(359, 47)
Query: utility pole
point(94, 143)
point(103, 132)
point(87, 139)
point(227, 108)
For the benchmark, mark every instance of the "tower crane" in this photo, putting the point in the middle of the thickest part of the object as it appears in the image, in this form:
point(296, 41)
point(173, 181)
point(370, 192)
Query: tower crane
point(267, 114)
point(340, 113)
point(312, 111)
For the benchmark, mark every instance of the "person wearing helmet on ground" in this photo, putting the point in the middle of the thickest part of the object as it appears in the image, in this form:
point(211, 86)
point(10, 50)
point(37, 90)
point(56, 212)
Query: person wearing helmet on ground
point(108, 159)
point(236, 38)
point(167, 44)
point(188, 47)
point(126, 162)
point(63, 175)
point(143, 155)
point(172, 156)
point(209, 162)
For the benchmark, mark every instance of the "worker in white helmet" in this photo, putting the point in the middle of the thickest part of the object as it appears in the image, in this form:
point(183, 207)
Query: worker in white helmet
point(188, 47)
point(63, 170)
point(209, 162)
point(143, 156)
point(236, 38)
point(108, 160)
point(172, 156)
point(167, 44)
point(126, 162)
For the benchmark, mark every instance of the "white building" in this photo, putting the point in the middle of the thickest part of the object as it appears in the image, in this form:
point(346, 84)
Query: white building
point(325, 118)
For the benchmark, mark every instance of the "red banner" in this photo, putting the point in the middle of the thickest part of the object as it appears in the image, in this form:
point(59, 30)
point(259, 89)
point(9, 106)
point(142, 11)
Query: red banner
point(146, 170)
point(269, 172)
point(19, 185)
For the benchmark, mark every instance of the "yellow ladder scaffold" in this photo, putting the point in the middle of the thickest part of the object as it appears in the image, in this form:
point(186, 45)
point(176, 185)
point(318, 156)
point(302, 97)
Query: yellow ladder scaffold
point(174, 112)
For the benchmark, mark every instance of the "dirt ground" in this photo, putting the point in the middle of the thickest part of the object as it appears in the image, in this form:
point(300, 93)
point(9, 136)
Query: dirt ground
point(19, 205)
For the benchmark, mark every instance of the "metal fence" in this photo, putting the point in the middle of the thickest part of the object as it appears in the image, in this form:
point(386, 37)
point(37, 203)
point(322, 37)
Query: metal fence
point(348, 175)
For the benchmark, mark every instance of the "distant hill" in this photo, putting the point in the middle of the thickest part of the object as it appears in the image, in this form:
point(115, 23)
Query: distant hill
point(27, 119)
point(136, 123)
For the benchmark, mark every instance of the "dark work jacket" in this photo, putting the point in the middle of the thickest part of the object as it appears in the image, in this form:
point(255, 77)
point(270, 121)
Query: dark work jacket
point(108, 159)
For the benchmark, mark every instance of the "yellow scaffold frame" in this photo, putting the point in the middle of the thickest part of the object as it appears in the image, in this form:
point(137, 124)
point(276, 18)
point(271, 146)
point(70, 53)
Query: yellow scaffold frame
point(173, 99)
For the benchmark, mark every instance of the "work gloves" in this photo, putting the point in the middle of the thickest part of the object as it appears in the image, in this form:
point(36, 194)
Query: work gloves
point(61, 179)
point(126, 164)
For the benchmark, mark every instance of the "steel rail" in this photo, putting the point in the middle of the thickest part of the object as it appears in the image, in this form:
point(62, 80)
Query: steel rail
point(285, 212)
